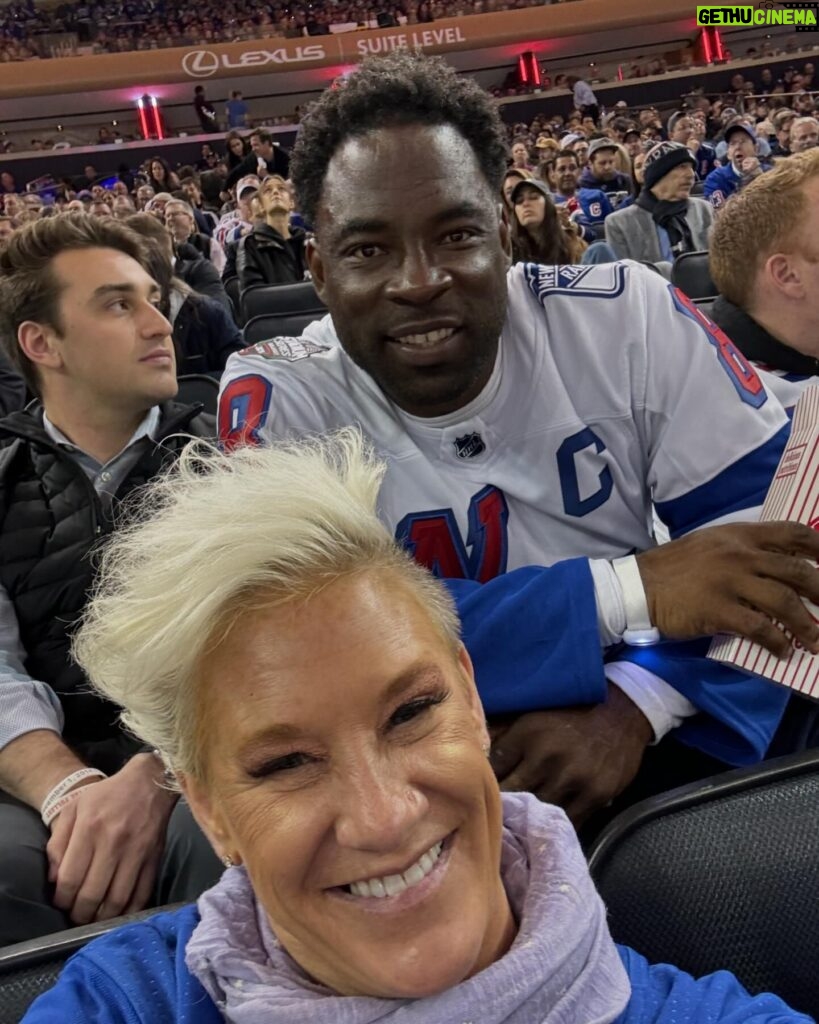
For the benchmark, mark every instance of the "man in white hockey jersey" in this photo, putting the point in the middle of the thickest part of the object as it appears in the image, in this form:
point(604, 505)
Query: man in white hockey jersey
point(530, 418)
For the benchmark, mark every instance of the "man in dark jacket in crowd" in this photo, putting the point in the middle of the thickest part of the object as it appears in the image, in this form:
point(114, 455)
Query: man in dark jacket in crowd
point(87, 829)
point(265, 158)
point(602, 172)
point(272, 253)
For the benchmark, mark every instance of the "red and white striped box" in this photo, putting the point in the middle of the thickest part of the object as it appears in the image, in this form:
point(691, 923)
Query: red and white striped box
point(794, 495)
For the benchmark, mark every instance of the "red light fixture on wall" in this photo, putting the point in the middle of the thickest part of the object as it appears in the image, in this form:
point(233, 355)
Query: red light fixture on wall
point(150, 117)
point(710, 45)
point(528, 70)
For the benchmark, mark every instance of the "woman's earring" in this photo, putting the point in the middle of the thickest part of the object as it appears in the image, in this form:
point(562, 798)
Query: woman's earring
point(228, 861)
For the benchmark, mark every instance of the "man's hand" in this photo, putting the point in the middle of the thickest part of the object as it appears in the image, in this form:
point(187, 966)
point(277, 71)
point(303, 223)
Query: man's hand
point(735, 579)
point(750, 167)
point(106, 845)
point(578, 758)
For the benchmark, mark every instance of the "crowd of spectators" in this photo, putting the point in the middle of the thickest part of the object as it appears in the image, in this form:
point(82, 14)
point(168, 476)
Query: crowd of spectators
point(117, 26)
point(88, 823)
point(590, 161)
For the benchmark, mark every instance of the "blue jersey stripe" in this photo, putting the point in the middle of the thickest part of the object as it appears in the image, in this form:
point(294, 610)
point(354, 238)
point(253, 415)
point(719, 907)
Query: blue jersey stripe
point(743, 484)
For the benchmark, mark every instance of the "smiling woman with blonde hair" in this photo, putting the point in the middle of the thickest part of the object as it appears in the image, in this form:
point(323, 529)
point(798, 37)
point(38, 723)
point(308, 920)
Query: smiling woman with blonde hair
point(305, 681)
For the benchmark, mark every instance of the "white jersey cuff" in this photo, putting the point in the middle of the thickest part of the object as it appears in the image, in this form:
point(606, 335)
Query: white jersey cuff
point(664, 707)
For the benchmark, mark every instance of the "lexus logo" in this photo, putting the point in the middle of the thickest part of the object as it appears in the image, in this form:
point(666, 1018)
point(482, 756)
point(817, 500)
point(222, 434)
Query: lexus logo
point(204, 63)
point(200, 63)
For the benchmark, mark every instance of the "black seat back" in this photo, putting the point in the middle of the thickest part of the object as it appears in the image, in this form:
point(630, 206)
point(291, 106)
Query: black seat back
point(261, 299)
point(691, 274)
point(723, 874)
point(198, 387)
point(232, 288)
point(286, 325)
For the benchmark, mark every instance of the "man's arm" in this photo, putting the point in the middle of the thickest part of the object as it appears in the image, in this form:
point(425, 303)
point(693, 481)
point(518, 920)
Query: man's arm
point(105, 846)
point(616, 236)
point(247, 268)
point(33, 757)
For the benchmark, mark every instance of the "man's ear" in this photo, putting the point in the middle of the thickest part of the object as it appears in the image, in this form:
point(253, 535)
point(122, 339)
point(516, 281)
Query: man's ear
point(315, 264)
point(207, 816)
point(783, 273)
point(39, 344)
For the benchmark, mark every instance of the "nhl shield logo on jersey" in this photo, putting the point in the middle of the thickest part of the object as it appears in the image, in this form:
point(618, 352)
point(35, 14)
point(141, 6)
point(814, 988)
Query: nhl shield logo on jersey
point(468, 446)
point(603, 280)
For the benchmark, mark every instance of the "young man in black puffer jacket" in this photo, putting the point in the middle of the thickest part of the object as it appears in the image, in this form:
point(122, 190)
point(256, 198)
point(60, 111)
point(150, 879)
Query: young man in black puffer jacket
point(87, 830)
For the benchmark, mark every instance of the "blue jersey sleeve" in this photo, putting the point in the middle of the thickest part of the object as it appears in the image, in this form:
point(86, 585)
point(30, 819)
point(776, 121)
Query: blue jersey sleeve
point(662, 994)
point(533, 638)
point(738, 712)
point(133, 975)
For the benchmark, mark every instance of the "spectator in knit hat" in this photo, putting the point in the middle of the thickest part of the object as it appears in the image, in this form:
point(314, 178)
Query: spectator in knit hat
point(602, 172)
point(665, 220)
point(743, 164)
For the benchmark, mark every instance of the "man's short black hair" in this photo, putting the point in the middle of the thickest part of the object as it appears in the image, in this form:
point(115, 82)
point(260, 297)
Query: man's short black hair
point(264, 137)
point(400, 88)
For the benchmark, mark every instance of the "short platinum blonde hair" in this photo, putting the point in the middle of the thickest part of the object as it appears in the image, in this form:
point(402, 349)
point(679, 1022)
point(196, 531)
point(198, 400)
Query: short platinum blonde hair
point(219, 534)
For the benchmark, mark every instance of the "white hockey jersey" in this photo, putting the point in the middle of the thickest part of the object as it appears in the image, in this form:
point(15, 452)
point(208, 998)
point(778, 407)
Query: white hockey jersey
point(610, 392)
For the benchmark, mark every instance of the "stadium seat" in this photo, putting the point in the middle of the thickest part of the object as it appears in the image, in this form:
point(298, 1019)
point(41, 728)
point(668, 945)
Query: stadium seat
point(691, 274)
point(261, 299)
point(232, 288)
point(283, 325)
point(198, 387)
point(723, 874)
point(30, 968)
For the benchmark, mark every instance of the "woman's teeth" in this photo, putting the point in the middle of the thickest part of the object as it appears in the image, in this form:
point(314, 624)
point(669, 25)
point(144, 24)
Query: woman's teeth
point(392, 885)
point(430, 338)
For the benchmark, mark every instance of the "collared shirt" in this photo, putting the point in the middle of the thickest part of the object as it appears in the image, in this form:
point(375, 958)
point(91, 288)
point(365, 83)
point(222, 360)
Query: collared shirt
point(583, 95)
point(27, 704)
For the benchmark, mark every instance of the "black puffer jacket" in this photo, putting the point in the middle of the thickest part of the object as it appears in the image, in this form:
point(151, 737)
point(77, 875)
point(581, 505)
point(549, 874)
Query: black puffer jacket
point(51, 523)
point(265, 257)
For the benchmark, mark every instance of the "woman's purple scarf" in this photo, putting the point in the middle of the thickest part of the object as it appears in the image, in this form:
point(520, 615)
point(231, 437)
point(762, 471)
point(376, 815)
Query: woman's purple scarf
point(562, 968)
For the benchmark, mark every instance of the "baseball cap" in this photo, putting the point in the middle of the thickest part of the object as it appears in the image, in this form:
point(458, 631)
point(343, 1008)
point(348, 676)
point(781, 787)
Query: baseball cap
point(250, 183)
point(597, 144)
point(739, 126)
point(631, 131)
point(541, 186)
point(569, 139)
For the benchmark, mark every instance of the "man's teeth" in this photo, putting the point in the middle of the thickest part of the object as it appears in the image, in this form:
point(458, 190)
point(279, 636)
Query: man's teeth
point(430, 338)
point(391, 885)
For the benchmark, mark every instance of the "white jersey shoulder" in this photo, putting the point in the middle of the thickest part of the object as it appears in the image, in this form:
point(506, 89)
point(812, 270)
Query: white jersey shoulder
point(610, 392)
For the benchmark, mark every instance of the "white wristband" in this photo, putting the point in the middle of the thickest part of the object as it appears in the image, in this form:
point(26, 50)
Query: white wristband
point(68, 783)
point(639, 628)
point(54, 808)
